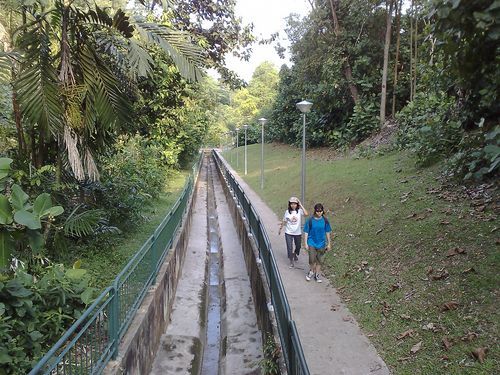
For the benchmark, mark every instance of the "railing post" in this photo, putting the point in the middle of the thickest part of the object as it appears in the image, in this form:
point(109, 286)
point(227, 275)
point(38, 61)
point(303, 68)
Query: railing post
point(114, 320)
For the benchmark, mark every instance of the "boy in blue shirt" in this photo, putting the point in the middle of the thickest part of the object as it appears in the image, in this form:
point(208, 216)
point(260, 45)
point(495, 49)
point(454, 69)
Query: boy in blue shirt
point(317, 239)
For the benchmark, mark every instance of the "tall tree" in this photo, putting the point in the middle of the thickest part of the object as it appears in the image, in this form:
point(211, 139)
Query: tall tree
point(387, 44)
point(78, 94)
point(399, 5)
point(347, 66)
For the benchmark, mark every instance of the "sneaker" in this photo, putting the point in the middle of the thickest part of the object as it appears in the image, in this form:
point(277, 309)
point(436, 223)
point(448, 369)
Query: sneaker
point(295, 257)
point(309, 275)
point(317, 277)
point(291, 265)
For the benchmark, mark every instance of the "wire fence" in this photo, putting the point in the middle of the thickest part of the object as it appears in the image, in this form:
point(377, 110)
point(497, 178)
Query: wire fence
point(92, 341)
point(289, 338)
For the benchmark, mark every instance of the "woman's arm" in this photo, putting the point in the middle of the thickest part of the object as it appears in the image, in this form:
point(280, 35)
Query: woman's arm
point(303, 209)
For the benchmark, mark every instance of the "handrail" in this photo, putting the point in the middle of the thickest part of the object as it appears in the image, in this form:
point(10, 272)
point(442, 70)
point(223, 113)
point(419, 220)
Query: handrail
point(89, 344)
point(289, 338)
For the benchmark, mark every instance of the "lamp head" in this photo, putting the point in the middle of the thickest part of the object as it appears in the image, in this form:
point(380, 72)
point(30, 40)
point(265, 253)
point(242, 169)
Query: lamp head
point(304, 106)
point(262, 120)
point(245, 126)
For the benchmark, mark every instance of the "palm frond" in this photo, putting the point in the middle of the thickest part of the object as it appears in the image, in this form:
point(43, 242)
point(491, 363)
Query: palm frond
point(6, 63)
point(81, 224)
point(36, 83)
point(187, 56)
point(105, 95)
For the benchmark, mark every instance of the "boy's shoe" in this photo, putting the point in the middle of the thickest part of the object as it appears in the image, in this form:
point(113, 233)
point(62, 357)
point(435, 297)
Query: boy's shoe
point(295, 257)
point(291, 265)
point(309, 275)
point(317, 277)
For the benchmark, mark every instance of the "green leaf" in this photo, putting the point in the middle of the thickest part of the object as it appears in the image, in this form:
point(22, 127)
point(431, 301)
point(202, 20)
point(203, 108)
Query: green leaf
point(36, 240)
point(42, 203)
point(87, 296)
point(6, 248)
point(18, 197)
point(53, 211)
point(16, 289)
point(75, 273)
point(5, 210)
point(5, 357)
point(35, 336)
point(77, 265)
point(27, 219)
point(2, 308)
point(5, 167)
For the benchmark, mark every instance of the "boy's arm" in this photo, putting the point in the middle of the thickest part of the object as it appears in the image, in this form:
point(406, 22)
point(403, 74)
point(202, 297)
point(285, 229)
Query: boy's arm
point(306, 246)
point(328, 241)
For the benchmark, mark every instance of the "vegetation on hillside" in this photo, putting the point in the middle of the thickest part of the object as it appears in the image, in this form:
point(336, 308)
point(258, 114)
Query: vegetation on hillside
point(415, 258)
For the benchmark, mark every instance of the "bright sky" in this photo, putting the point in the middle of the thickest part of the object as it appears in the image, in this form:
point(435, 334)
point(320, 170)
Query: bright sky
point(268, 17)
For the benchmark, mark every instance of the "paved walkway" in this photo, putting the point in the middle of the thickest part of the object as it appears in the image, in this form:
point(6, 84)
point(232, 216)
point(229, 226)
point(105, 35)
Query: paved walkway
point(332, 340)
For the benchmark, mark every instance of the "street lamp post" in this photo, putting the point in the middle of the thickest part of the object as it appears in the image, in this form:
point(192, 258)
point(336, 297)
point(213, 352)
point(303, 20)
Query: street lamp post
point(231, 146)
point(304, 107)
point(237, 150)
point(246, 169)
point(262, 122)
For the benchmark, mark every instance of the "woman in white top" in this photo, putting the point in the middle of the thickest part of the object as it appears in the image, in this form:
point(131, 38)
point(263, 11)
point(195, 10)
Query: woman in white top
point(292, 221)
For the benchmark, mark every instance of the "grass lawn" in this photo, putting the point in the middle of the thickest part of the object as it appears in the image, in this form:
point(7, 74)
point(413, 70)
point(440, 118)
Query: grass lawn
point(105, 262)
point(416, 263)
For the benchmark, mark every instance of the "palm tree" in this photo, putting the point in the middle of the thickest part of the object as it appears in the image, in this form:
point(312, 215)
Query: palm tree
point(74, 81)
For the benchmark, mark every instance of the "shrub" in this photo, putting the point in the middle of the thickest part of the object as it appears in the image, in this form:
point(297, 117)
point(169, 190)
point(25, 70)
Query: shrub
point(36, 311)
point(431, 126)
point(130, 178)
point(478, 156)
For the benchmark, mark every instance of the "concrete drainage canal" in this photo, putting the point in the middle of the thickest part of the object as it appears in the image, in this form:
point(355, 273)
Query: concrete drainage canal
point(213, 327)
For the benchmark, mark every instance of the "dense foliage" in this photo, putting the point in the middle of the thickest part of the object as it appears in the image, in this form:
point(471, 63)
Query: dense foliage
point(442, 81)
point(98, 105)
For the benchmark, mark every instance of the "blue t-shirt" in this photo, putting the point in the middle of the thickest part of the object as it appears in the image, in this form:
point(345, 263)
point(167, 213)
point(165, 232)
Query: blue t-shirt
point(316, 237)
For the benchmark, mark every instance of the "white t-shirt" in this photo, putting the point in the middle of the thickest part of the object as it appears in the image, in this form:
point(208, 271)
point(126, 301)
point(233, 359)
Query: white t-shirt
point(293, 222)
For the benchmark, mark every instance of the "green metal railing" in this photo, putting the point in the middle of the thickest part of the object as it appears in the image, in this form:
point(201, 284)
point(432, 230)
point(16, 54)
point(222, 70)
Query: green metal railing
point(289, 338)
point(89, 344)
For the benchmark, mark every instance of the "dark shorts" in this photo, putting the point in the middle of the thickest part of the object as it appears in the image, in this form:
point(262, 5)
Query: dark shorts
point(316, 255)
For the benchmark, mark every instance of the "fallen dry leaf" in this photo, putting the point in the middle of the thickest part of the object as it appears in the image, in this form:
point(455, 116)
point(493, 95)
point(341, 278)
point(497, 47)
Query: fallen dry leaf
point(405, 316)
point(346, 319)
point(379, 231)
point(394, 286)
point(443, 274)
point(429, 270)
point(431, 327)
point(452, 305)
point(469, 336)
point(411, 215)
point(480, 208)
point(455, 251)
point(467, 270)
point(408, 333)
point(446, 343)
point(480, 354)
point(415, 348)
point(445, 222)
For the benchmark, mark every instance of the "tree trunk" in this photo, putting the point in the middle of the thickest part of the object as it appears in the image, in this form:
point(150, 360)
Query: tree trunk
point(387, 44)
point(396, 59)
point(411, 51)
point(415, 60)
point(347, 66)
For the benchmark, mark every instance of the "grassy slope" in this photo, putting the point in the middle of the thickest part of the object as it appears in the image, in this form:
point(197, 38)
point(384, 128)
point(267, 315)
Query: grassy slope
point(105, 264)
point(389, 231)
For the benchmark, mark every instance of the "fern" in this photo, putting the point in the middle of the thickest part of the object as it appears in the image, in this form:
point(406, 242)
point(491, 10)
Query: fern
point(84, 223)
